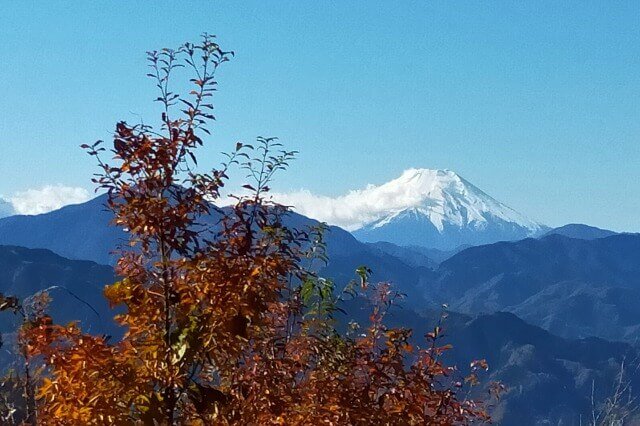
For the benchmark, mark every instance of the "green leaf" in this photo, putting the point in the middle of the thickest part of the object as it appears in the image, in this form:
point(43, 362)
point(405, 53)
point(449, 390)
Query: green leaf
point(306, 292)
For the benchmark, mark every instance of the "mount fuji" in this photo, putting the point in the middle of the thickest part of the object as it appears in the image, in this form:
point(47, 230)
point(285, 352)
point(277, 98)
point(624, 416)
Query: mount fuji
point(444, 211)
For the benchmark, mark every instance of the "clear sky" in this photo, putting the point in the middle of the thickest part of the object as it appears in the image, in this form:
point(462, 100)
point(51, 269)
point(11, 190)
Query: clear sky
point(537, 103)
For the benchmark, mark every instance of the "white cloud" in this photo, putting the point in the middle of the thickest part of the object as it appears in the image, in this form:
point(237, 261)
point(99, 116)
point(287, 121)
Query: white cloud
point(357, 207)
point(47, 198)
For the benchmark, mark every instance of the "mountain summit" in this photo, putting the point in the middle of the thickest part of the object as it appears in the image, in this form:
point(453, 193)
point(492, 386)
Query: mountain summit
point(445, 211)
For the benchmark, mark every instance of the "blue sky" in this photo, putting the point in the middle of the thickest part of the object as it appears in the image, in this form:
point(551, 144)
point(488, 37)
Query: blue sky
point(536, 103)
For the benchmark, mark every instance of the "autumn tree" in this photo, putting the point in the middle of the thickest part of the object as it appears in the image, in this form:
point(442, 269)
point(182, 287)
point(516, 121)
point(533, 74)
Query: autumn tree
point(225, 321)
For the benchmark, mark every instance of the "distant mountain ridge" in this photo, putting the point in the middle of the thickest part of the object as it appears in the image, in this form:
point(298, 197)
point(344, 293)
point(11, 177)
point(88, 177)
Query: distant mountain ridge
point(571, 287)
point(580, 231)
point(80, 231)
point(24, 272)
point(548, 378)
point(445, 211)
point(416, 255)
point(84, 231)
point(75, 287)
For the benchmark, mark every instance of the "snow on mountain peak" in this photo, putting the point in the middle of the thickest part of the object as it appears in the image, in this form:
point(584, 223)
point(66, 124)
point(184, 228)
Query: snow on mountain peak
point(434, 208)
point(444, 197)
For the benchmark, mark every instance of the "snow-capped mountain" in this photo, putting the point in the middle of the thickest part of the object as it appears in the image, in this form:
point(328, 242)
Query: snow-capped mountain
point(6, 208)
point(445, 211)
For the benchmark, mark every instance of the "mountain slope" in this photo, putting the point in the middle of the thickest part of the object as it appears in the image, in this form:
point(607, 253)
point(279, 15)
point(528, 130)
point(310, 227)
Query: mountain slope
point(416, 255)
point(75, 287)
point(572, 287)
point(84, 231)
point(79, 231)
point(413, 256)
point(575, 288)
point(444, 211)
point(548, 378)
point(580, 231)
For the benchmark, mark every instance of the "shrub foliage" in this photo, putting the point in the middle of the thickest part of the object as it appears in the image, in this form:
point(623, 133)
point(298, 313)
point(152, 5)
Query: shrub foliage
point(226, 321)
